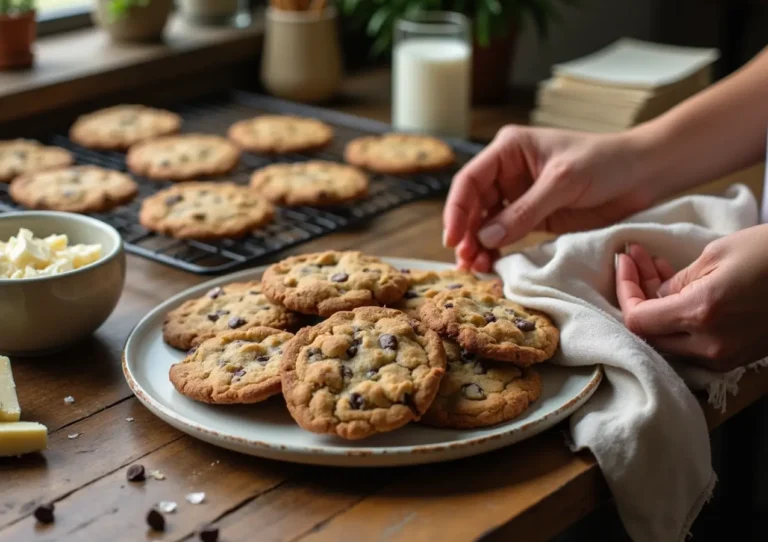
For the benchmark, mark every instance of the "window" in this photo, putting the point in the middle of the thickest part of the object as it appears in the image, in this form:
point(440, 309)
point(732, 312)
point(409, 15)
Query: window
point(62, 15)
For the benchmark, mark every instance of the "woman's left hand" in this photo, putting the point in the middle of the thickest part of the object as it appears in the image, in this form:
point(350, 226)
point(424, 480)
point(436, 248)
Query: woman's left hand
point(714, 311)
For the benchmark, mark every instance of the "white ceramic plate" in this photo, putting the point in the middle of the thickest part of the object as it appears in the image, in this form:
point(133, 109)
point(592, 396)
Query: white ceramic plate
point(267, 430)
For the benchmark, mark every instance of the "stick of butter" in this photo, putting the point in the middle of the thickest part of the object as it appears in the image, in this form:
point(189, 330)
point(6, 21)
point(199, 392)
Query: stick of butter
point(9, 403)
point(19, 438)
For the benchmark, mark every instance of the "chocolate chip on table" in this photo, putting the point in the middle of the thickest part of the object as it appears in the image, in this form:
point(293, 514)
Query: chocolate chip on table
point(44, 513)
point(356, 401)
point(388, 342)
point(524, 325)
point(339, 277)
point(473, 391)
point(352, 351)
point(216, 292)
point(136, 473)
point(489, 317)
point(209, 533)
point(410, 295)
point(236, 322)
point(173, 200)
point(156, 520)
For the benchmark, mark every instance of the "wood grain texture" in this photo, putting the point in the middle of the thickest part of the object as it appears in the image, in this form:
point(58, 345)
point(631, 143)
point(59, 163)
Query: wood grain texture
point(530, 491)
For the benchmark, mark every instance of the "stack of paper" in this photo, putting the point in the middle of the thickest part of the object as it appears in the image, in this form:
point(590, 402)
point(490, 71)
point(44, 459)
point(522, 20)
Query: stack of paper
point(626, 83)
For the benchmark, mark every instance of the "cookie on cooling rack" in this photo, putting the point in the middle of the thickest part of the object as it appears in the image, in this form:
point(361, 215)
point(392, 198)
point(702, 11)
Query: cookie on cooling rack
point(19, 156)
point(120, 126)
point(399, 153)
point(280, 134)
point(183, 157)
point(205, 210)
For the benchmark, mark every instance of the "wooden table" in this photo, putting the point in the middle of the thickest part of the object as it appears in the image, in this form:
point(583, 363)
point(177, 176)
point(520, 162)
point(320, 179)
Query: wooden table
point(527, 492)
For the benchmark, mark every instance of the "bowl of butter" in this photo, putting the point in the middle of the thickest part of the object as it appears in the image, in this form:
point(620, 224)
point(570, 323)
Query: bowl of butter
point(61, 276)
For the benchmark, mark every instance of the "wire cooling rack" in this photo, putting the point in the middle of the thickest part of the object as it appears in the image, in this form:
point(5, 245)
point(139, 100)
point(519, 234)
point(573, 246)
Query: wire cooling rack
point(291, 225)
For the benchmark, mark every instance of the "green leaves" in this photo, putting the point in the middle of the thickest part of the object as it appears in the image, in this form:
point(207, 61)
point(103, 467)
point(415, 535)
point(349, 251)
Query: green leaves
point(8, 7)
point(119, 8)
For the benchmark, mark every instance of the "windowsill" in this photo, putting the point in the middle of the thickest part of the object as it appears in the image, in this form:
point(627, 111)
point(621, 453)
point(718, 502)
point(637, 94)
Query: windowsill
point(86, 64)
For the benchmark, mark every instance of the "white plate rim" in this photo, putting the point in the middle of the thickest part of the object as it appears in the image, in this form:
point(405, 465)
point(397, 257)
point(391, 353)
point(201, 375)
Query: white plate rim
point(423, 453)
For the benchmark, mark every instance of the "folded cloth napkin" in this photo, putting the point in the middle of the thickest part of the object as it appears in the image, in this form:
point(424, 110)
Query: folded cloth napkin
point(643, 425)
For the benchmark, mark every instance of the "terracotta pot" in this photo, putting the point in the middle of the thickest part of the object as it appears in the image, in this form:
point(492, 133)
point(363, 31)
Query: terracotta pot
point(140, 23)
point(492, 67)
point(17, 34)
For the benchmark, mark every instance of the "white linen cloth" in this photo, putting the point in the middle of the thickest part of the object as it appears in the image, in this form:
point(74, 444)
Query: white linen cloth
point(643, 425)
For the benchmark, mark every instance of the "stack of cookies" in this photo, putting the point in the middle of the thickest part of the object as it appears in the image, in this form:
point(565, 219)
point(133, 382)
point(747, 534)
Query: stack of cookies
point(44, 177)
point(380, 347)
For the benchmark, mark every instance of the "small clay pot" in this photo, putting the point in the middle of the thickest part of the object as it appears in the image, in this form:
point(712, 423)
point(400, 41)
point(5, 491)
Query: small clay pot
point(139, 23)
point(17, 34)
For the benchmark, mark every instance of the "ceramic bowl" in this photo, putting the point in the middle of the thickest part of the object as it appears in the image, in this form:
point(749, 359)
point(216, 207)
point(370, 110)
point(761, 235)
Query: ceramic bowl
point(46, 314)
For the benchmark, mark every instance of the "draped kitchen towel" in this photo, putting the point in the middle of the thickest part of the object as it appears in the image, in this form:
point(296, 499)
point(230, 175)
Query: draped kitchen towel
point(643, 425)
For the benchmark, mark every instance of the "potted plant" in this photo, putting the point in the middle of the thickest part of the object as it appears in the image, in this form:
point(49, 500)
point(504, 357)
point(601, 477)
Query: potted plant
point(17, 33)
point(496, 24)
point(132, 20)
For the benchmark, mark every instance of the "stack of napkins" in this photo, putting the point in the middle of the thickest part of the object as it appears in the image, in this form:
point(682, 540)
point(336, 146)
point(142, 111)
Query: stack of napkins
point(627, 83)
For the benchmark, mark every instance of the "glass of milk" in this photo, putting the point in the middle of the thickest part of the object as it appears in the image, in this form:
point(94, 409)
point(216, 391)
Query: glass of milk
point(432, 65)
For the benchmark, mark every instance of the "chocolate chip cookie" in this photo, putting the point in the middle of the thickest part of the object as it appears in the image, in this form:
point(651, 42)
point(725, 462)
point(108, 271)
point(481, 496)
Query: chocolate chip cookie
point(327, 282)
point(19, 156)
point(205, 210)
point(119, 127)
point(238, 367)
point(478, 392)
point(280, 134)
point(491, 326)
point(423, 285)
point(76, 189)
point(399, 153)
point(361, 372)
point(183, 157)
point(312, 183)
point(240, 305)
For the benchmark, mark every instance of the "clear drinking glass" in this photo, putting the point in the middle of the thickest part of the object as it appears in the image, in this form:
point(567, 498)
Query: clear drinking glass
point(431, 80)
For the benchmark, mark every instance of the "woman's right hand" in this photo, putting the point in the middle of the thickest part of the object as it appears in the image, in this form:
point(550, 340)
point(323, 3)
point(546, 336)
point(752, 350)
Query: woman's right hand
point(541, 179)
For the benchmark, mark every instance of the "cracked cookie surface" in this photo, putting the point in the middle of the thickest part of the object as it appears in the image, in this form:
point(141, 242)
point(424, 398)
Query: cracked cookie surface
point(238, 367)
point(183, 157)
point(240, 305)
point(477, 392)
point(120, 126)
point(76, 189)
point(327, 282)
point(423, 285)
point(492, 326)
point(280, 134)
point(399, 153)
point(361, 372)
point(311, 183)
point(20, 156)
point(205, 210)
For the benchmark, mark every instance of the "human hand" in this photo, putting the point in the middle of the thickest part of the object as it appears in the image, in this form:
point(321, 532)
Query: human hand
point(713, 311)
point(540, 179)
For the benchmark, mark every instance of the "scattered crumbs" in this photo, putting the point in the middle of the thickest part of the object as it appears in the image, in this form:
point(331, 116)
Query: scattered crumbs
point(129, 420)
point(157, 475)
point(166, 507)
point(73, 436)
point(69, 399)
point(195, 498)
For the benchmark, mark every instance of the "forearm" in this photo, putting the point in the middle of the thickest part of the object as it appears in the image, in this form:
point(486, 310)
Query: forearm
point(718, 131)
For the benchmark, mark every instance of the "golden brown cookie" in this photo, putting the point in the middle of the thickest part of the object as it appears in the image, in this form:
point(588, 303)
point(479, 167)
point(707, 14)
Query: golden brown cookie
point(280, 134)
point(327, 282)
point(361, 372)
point(479, 392)
point(311, 183)
point(120, 126)
point(423, 285)
point(234, 368)
point(205, 210)
point(399, 153)
point(75, 189)
point(491, 326)
point(240, 305)
point(183, 157)
point(19, 156)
